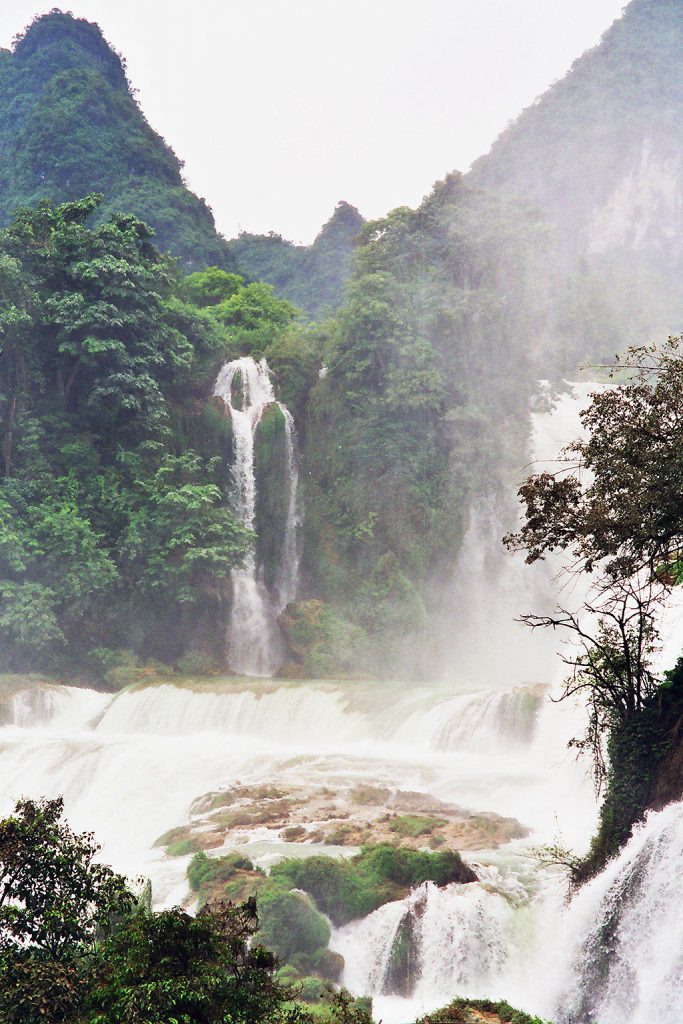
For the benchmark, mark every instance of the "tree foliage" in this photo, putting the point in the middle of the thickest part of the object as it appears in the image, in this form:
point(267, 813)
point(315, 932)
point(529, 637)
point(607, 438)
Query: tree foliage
point(104, 511)
point(617, 505)
point(614, 509)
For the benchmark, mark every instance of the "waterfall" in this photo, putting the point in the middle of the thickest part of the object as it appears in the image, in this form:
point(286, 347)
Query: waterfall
point(457, 936)
point(617, 953)
point(134, 764)
point(288, 577)
point(253, 639)
point(491, 587)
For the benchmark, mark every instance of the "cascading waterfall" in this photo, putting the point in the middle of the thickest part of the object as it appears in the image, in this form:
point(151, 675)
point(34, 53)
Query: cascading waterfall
point(616, 955)
point(288, 576)
point(253, 637)
point(491, 587)
point(459, 936)
point(131, 766)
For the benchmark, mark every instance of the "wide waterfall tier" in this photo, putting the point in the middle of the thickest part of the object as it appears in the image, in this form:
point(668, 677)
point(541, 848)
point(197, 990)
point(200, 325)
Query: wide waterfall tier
point(265, 482)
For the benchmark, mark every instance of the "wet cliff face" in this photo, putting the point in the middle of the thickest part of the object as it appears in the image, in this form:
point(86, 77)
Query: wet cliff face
point(644, 210)
point(601, 153)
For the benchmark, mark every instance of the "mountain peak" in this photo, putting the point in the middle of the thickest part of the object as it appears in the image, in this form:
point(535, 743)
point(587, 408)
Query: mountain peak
point(602, 149)
point(58, 41)
point(345, 223)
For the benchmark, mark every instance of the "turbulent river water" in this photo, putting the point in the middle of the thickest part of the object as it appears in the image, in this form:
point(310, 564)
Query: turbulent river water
point(484, 737)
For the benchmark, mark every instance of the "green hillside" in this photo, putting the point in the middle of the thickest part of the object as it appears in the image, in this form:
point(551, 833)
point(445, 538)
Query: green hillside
point(69, 125)
point(312, 277)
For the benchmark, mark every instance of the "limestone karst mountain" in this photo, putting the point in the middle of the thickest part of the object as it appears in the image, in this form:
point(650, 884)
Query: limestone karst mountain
point(70, 125)
point(313, 276)
point(602, 152)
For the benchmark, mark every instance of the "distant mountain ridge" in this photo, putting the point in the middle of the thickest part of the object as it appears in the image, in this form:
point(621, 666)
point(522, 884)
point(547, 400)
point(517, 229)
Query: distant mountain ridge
point(313, 277)
point(70, 125)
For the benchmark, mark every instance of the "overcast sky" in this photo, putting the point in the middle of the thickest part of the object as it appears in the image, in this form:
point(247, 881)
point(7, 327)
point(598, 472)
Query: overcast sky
point(280, 108)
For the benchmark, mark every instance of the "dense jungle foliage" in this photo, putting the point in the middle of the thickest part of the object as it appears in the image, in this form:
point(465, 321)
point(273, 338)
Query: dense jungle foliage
point(69, 125)
point(77, 946)
point(411, 400)
point(116, 533)
point(424, 398)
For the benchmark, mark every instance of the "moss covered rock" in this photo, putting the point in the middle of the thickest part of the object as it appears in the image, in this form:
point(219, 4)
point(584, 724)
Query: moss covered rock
point(320, 643)
point(272, 490)
point(232, 877)
point(347, 889)
point(291, 924)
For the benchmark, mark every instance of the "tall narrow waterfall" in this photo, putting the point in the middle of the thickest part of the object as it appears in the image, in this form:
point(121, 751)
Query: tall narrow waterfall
point(253, 637)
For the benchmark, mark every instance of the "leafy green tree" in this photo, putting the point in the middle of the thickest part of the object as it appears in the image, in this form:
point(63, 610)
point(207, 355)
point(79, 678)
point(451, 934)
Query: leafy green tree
point(614, 511)
point(616, 506)
point(55, 901)
point(105, 504)
point(211, 286)
point(179, 537)
point(196, 970)
point(54, 895)
point(103, 342)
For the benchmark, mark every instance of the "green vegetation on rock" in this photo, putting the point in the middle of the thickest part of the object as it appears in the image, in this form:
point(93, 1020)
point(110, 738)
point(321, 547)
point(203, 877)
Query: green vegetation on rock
point(404, 428)
point(320, 643)
point(312, 277)
point(479, 1011)
point(116, 529)
point(346, 889)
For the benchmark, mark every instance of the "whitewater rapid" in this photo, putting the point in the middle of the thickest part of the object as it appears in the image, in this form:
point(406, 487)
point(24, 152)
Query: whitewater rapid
point(131, 765)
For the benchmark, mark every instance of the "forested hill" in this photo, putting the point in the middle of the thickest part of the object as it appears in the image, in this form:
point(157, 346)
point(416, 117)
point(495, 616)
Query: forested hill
point(602, 150)
point(312, 277)
point(69, 125)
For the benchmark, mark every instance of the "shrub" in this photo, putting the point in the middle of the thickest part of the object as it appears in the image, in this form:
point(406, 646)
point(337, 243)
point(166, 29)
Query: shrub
point(196, 663)
point(415, 825)
point(204, 871)
point(291, 924)
point(346, 889)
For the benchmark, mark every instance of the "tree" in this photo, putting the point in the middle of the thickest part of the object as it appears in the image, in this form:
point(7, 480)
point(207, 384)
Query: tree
point(55, 901)
point(54, 896)
point(616, 506)
point(615, 509)
point(180, 538)
point(170, 966)
point(114, 474)
point(612, 643)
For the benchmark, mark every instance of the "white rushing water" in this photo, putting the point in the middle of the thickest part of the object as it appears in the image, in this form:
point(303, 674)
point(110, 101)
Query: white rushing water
point(491, 586)
point(459, 937)
point(131, 766)
point(617, 955)
point(253, 638)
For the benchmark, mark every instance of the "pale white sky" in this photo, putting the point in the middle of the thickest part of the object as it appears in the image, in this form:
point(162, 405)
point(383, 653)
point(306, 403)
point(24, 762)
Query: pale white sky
point(280, 108)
